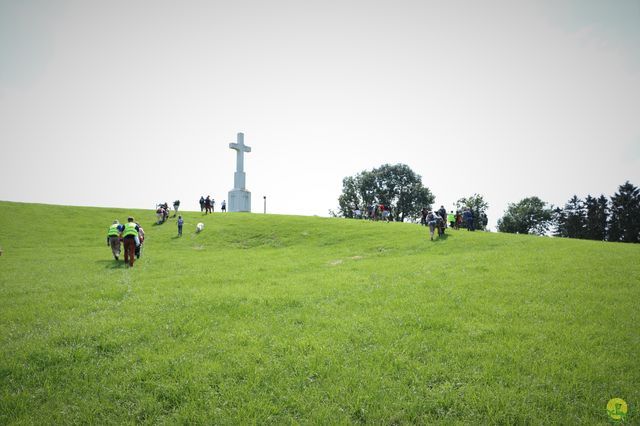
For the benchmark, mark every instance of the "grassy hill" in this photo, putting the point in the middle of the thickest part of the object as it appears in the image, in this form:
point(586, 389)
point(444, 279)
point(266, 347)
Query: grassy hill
point(285, 319)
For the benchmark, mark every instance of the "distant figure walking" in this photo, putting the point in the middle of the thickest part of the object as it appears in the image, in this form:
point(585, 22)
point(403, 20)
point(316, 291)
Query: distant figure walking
point(130, 235)
point(201, 203)
point(372, 212)
point(443, 214)
point(176, 206)
point(207, 205)
point(432, 221)
point(223, 206)
point(467, 216)
point(162, 212)
point(180, 223)
point(386, 213)
point(113, 238)
point(423, 219)
point(213, 205)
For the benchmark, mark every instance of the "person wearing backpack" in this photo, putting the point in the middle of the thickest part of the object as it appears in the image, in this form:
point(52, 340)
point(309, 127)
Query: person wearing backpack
point(130, 238)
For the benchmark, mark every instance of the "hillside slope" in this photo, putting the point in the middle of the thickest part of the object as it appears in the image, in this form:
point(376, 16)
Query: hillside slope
point(279, 319)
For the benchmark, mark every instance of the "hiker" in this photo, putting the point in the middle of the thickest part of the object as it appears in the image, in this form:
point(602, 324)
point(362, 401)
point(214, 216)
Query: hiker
point(159, 214)
point(162, 213)
point(423, 218)
point(432, 221)
point(223, 206)
point(467, 216)
point(165, 207)
point(440, 224)
point(139, 240)
point(201, 203)
point(176, 206)
point(213, 205)
point(113, 238)
point(443, 214)
point(130, 235)
point(451, 218)
point(207, 204)
point(180, 223)
point(385, 212)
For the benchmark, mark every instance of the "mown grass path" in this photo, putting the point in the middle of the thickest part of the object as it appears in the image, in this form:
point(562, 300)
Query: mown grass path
point(285, 319)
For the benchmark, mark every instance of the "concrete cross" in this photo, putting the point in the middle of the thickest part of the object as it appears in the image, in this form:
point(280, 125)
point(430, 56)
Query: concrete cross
point(240, 148)
point(239, 197)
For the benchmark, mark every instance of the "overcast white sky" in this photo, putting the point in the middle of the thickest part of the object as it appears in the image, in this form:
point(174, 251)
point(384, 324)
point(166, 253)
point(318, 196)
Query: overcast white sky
point(129, 103)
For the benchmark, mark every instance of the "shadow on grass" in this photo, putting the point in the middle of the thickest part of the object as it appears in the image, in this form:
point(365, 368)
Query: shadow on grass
point(111, 264)
point(439, 238)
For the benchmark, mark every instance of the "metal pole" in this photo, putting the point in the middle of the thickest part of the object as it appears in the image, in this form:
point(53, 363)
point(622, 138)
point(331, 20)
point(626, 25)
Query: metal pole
point(265, 204)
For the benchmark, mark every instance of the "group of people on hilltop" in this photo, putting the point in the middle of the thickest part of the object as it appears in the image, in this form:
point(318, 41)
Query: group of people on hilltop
point(130, 235)
point(440, 218)
point(208, 205)
point(373, 212)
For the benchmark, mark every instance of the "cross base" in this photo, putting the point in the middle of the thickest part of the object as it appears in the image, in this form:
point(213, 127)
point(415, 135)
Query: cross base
point(239, 200)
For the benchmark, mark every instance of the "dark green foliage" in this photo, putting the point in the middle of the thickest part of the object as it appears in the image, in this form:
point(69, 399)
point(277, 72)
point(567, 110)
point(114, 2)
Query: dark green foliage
point(575, 217)
point(528, 216)
point(478, 206)
point(595, 225)
point(624, 223)
point(396, 186)
point(559, 218)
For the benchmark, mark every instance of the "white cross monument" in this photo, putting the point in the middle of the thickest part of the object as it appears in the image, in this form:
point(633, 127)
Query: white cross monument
point(239, 197)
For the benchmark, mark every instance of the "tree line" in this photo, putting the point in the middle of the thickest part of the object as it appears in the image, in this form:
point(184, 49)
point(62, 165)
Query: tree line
point(616, 218)
point(400, 190)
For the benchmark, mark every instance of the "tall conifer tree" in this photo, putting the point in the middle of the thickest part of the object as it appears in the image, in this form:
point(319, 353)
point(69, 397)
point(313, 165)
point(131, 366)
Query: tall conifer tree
point(624, 223)
point(596, 218)
point(575, 217)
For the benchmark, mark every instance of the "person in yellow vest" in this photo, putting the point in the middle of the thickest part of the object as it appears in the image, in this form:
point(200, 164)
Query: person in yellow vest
point(130, 238)
point(451, 218)
point(113, 238)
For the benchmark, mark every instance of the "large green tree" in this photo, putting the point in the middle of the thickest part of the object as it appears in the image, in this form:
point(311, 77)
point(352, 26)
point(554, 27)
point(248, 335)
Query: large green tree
point(395, 186)
point(624, 224)
point(478, 206)
point(528, 216)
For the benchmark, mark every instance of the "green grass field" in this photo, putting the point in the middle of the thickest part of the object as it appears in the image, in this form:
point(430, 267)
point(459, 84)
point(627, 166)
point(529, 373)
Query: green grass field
point(287, 319)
